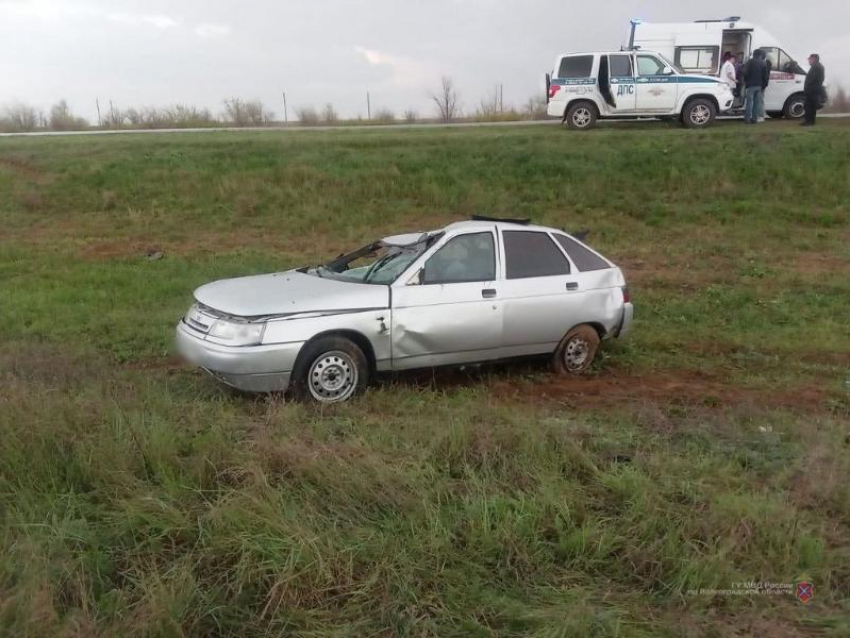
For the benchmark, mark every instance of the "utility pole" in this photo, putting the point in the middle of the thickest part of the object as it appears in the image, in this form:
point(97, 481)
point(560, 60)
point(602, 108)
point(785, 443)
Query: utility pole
point(99, 121)
point(501, 98)
point(368, 106)
point(285, 111)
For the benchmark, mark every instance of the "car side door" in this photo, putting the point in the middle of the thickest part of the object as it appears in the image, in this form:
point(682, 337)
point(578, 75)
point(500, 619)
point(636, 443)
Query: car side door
point(621, 66)
point(541, 293)
point(657, 86)
point(448, 310)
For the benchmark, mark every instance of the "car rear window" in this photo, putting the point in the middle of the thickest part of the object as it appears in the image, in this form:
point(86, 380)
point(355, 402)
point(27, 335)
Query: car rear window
point(532, 254)
point(584, 259)
point(576, 66)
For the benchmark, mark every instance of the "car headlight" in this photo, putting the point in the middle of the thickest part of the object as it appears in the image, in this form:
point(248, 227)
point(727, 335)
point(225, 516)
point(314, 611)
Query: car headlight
point(238, 334)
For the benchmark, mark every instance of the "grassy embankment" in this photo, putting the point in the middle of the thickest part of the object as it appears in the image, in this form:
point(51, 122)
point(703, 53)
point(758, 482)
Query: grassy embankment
point(139, 498)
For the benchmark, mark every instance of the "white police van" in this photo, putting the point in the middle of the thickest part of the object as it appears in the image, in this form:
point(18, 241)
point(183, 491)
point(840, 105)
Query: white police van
point(631, 83)
point(698, 47)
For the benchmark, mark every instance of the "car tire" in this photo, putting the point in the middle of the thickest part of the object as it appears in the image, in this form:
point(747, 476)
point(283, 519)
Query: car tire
point(575, 353)
point(330, 370)
point(795, 107)
point(699, 113)
point(581, 116)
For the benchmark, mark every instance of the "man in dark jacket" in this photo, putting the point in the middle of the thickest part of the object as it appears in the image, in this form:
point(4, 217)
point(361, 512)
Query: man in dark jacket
point(756, 78)
point(813, 89)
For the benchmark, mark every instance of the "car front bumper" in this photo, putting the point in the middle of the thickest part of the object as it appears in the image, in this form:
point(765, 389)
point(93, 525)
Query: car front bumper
point(264, 368)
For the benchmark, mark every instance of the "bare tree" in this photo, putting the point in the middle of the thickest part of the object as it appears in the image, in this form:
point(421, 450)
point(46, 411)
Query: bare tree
point(839, 102)
point(21, 118)
point(246, 113)
point(307, 116)
point(329, 114)
point(61, 118)
point(384, 116)
point(490, 107)
point(410, 116)
point(446, 100)
point(535, 109)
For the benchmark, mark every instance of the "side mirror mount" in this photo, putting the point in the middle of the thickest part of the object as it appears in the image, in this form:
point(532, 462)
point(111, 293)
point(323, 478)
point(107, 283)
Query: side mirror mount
point(667, 71)
point(418, 278)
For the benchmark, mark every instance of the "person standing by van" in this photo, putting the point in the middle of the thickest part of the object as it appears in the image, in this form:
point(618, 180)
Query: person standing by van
point(813, 89)
point(764, 84)
point(756, 77)
point(727, 70)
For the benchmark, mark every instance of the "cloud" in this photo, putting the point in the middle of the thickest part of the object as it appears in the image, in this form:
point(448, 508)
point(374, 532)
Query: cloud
point(207, 30)
point(404, 71)
point(158, 21)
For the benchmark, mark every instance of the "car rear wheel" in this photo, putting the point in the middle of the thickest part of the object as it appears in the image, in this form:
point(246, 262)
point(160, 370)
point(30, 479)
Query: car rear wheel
point(331, 370)
point(581, 116)
point(699, 113)
point(576, 351)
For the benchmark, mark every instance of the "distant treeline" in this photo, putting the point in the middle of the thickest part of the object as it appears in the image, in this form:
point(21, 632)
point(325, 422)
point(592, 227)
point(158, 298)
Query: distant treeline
point(237, 112)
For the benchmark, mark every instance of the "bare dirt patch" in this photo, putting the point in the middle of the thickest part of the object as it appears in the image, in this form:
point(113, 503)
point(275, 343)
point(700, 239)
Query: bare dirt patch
point(23, 168)
point(820, 263)
point(680, 387)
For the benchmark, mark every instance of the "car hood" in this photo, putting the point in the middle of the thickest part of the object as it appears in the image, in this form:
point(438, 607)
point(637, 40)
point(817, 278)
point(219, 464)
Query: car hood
point(288, 293)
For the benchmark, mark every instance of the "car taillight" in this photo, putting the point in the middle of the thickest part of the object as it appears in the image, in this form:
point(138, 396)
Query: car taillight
point(554, 89)
point(626, 296)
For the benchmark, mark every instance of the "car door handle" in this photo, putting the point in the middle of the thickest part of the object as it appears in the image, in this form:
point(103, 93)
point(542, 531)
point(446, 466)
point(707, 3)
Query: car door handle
point(571, 285)
point(488, 293)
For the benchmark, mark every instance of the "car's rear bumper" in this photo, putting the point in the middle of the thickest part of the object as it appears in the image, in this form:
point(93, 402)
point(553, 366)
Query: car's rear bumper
point(628, 318)
point(556, 108)
point(265, 368)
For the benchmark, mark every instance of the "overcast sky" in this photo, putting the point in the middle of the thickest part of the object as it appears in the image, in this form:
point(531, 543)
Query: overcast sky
point(158, 52)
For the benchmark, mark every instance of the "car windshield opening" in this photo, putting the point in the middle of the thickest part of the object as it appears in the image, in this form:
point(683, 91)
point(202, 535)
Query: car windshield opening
point(378, 263)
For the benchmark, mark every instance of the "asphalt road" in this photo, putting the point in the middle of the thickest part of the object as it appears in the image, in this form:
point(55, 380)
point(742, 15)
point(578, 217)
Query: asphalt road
point(364, 127)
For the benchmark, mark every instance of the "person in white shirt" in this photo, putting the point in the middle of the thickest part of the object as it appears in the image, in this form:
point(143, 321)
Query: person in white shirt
point(728, 73)
point(727, 70)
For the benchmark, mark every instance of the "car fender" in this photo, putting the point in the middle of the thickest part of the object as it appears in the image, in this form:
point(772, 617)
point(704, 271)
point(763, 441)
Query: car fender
point(373, 324)
point(593, 98)
point(701, 92)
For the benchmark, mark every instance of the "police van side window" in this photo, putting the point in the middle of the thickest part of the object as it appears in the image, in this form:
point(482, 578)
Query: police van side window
point(649, 65)
point(621, 66)
point(576, 66)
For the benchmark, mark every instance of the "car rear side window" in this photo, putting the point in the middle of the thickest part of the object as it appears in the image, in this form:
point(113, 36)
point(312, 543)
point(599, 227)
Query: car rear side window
point(576, 66)
point(584, 259)
point(532, 254)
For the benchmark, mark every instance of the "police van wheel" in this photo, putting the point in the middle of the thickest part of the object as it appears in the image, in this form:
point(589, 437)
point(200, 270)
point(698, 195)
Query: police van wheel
point(581, 116)
point(795, 107)
point(699, 113)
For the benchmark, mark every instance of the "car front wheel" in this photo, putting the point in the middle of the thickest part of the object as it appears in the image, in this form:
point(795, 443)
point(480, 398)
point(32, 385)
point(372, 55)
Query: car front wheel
point(576, 351)
point(331, 370)
point(699, 113)
point(795, 107)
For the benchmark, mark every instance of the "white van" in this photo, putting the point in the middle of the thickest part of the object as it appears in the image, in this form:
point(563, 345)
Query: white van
point(584, 87)
point(698, 47)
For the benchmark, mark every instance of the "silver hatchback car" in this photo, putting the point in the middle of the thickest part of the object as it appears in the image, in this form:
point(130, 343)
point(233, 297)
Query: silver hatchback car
point(475, 291)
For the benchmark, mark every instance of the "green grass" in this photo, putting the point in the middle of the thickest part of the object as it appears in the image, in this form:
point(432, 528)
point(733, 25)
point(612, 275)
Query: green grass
point(139, 498)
